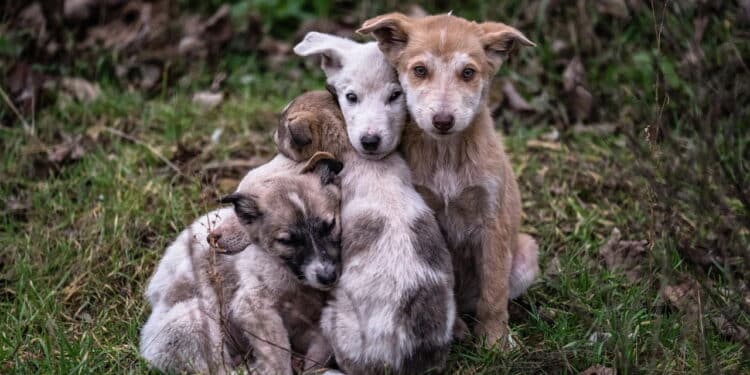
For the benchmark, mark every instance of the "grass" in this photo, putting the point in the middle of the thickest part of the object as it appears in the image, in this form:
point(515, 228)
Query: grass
point(75, 258)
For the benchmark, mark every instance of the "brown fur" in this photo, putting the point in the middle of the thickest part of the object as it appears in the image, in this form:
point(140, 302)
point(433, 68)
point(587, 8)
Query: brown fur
point(474, 157)
point(313, 113)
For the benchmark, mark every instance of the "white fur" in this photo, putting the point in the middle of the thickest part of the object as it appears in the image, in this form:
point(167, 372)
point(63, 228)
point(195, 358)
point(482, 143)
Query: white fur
point(363, 322)
point(361, 69)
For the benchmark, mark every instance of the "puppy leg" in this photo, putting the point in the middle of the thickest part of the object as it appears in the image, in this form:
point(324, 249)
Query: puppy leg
point(264, 330)
point(525, 266)
point(318, 354)
point(494, 265)
point(185, 338)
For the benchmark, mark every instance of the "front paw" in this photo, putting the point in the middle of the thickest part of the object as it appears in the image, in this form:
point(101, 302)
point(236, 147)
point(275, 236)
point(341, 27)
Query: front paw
point(495, 335)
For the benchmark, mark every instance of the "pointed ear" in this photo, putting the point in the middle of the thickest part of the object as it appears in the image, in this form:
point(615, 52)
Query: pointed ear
point(499, 40)
point(245, 206)
point(331, 48)
point(391, 31)
point(324, 164)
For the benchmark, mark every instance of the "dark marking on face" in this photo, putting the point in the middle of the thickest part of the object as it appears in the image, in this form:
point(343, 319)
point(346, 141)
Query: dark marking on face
point(245, 207)
point(183, 289)
point(362, 232)
point(310, 239)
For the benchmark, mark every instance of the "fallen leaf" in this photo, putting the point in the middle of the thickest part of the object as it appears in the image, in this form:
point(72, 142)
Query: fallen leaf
point(730, 329)
point(551, 136)
point(133, 27)
point(580, 100)
point(70, 149)
point(684, 296)
point(208, 99)
point(515, 100)
point(32, 19)
point(599, 370)
point(624, 256)
point(144, 75)
point(537, 144)
point(81, 89)
point(202, 37)
point(615, 8)
point(77, 10)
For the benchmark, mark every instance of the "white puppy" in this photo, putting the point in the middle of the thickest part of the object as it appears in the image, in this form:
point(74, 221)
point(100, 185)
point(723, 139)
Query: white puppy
point(393, 310)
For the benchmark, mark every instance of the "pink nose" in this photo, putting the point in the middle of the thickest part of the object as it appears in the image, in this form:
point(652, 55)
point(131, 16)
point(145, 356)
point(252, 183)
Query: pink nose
point(442, 121)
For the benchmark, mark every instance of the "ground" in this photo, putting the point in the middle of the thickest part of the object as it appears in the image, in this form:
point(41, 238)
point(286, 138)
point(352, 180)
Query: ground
point(656, 147)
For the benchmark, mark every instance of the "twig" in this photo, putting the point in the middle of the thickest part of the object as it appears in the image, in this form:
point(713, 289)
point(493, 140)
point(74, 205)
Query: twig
point(29, 128)
point(152, 149)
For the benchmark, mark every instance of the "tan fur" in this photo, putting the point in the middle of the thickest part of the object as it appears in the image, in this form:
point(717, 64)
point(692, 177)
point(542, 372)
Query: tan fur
point(470, 156)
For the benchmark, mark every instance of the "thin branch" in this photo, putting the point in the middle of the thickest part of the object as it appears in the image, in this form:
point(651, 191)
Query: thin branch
point(29, 128)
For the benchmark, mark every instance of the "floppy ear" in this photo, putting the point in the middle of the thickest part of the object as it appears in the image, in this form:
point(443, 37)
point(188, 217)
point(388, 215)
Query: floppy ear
point(331, 48)
point(245, 207)
point(499, 40)
point(324, 164)
point(391, 31)
point(296, 129)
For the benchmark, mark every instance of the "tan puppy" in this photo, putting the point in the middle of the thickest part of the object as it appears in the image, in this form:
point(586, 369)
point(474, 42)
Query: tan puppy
point(445, 65)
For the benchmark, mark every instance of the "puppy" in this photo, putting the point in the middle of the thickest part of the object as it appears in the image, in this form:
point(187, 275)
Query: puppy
point(213, 312)
point(393, 309)
point(445, 65)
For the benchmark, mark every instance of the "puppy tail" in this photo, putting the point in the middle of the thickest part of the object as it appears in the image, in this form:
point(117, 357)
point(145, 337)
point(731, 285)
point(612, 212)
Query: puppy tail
point(525, 267)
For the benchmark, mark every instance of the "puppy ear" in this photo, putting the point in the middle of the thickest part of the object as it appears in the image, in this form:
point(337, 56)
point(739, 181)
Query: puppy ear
point(331, 48)
point(391, 31)
point(499, 40)
point(245, 207)
point(324, 164)
point(300, 134)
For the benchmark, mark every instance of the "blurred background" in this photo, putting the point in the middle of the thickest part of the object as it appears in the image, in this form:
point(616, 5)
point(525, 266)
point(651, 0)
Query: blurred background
point(628, 126)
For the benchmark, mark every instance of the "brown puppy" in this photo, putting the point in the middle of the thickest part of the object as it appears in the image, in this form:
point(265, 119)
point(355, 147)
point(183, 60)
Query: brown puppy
point(445, 66)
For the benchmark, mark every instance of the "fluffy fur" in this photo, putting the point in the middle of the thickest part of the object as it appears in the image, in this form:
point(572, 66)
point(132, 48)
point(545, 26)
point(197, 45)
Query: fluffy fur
point(445, 65)
point(212, 312)
point(393, 310)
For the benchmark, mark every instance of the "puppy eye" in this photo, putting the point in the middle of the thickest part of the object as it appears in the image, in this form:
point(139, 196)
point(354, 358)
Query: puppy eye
point(420, 71)
point(468, 73)
point(351, 97)
point(288, 241)
point(396, 94)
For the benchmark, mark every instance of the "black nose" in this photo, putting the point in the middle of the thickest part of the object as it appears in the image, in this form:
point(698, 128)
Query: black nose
point(442, 121)
point(370, 142)
point(326, 278)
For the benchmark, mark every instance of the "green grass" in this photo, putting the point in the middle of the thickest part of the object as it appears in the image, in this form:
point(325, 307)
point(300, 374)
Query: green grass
point(74, 263)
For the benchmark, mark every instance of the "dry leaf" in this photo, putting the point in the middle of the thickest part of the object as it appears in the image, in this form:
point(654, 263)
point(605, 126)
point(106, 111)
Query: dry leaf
point(683, 296)
point(70, 149)
point(616, 8)
point(580, 100)
point(624, 256)
point(730, 329)
point(77, 10)
point(537, 144)
point(145, 75)
point(208, 99)
point(32, 19)
point(599, 370)
point(81, 89)
point(515, 100)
